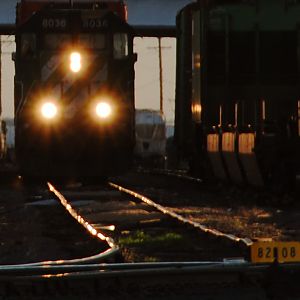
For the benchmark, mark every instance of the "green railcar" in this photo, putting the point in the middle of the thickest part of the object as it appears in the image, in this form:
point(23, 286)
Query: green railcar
point(238, 90)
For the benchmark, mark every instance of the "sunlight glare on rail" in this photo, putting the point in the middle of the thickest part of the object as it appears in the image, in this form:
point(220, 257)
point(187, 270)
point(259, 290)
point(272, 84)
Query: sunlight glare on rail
point(80, 219)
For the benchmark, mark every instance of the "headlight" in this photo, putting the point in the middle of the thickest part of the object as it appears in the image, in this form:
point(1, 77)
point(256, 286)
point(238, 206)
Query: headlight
point(103, 110)
point(49, 110)
point(75, 62)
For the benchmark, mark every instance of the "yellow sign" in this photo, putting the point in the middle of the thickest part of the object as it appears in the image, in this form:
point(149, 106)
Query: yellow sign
point(268, 252)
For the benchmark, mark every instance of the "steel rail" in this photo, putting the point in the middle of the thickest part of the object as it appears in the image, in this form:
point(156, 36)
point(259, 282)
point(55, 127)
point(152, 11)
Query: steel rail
point(19, 269)
point(245, 241)
point(170, 173)
point(90, 228)
point(113, 249)
point(77, 261)
point(134, 269)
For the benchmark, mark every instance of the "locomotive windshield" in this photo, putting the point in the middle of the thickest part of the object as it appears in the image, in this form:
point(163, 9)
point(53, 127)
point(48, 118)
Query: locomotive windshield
point(56, 41)
point(92, 41)
point(53, 41)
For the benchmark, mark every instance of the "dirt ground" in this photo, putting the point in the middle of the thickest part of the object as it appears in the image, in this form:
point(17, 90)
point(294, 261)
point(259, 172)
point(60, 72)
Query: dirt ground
point(238, 211)
point(29, 231)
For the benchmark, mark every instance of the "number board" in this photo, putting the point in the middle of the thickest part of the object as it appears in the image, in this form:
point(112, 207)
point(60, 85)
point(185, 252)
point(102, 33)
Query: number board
point(268, 252)
point(54, 23)
point(61, 24)
point(93, 20)
point(94, 23)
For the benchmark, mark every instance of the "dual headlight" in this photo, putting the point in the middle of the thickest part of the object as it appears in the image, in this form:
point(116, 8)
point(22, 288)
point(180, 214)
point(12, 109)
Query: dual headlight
point(49, 110)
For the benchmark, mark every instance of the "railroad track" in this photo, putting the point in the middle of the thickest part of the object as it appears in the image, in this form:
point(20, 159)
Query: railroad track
point(264, 234)
point(152, 281)
point(181, 174)
point(129, 221)
point(146, 230)
point(136, 221)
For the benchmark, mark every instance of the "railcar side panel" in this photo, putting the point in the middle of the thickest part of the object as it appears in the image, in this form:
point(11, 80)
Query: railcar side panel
point(244, 82)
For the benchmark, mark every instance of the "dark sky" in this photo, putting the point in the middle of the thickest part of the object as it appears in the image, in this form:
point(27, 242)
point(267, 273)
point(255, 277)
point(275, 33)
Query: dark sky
point(142, 12)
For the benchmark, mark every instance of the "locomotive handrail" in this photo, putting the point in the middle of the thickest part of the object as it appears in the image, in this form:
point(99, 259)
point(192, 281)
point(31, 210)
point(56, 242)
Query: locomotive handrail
point(24, 100)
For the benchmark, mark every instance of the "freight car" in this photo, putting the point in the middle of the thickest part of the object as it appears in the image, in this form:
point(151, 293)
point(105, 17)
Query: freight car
point(150, 128)
point(238, 91)
point(74, 89)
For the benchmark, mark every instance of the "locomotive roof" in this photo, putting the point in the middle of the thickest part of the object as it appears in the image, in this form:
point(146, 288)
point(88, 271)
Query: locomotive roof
point(73, 20)
point(27, 8)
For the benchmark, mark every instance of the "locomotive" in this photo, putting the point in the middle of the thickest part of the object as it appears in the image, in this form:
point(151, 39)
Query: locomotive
point(74, 89)
point(238, 91)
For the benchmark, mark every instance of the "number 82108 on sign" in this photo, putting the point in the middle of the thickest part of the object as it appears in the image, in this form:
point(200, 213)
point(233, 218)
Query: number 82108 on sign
point(268, 252)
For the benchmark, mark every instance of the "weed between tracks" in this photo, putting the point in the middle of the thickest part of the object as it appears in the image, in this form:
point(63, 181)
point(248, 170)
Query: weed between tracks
point(140, 238)
point(141, 246)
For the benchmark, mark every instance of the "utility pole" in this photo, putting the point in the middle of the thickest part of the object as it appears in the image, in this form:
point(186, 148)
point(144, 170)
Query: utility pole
point(161, 92)
point(0, 75)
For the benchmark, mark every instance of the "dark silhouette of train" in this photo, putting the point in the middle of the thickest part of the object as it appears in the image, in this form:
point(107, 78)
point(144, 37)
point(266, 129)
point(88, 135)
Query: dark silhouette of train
point(74, 89)
point(238, 91)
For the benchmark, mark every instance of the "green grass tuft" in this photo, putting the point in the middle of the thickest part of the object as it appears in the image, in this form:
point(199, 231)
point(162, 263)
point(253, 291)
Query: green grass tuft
point(140, 238)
